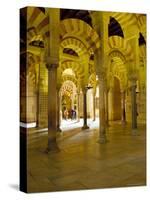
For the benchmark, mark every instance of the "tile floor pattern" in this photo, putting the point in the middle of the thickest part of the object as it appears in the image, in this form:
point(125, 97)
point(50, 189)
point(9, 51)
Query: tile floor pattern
point(83, 163)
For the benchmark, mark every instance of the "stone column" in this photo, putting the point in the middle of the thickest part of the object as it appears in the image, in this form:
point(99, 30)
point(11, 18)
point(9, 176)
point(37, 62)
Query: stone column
point(78, 106)
point(52, 59)
point(133, 104)
point(94, 106)
point(123, 115)
point(52, 107)
point(106, 107)
point(58, 111)
point(102, 129)
point(111, 104)
point(85, 126)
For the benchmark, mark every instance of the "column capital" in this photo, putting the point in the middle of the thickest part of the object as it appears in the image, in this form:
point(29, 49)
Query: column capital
point(51, 66)
point(84, 90)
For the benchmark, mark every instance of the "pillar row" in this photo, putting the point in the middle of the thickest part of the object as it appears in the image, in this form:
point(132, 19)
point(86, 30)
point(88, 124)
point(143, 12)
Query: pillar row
point(85, 126)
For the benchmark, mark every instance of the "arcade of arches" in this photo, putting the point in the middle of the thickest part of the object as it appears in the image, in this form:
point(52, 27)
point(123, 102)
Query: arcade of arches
point(83, 84)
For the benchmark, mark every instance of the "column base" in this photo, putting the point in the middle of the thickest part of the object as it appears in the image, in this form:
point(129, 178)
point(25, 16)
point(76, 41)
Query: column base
point(123, 122)
point(85, 127)
point(59, 129)
point(52, 146)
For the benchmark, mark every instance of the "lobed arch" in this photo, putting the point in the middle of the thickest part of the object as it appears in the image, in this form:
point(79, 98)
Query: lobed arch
point(67, 87)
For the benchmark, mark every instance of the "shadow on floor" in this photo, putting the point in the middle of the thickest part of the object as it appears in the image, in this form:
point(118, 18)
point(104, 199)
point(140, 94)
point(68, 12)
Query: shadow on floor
point(14, 186)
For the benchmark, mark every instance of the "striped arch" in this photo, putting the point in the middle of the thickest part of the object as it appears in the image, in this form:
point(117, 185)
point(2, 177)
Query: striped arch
point(74, 66)
point(37, 22)
point(118, 54)
point(124, 19)
point(69, 78)
point(141, 21)
point(75, 44)
point(119, 44)
point(118, 69)
point(82, 31)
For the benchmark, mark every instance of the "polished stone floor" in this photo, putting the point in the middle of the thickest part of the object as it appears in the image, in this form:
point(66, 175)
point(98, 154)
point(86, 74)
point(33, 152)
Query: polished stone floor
point(83, 163)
